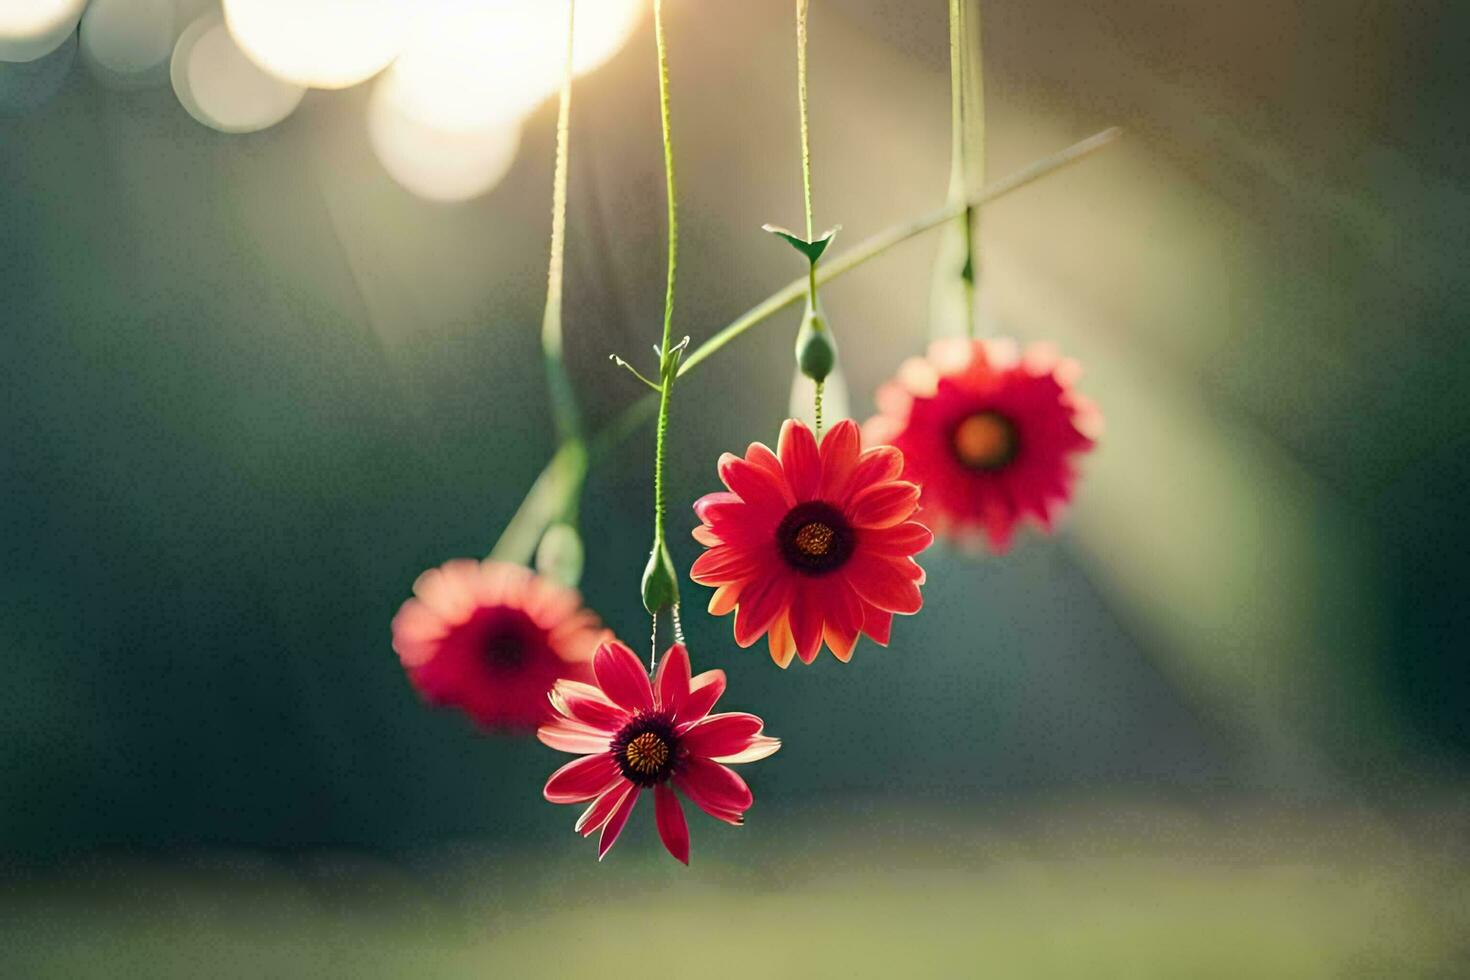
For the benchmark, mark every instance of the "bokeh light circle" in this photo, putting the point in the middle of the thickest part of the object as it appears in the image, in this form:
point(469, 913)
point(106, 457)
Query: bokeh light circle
point(222, 88)
point(29, 85)
point(321, 43)
point(32, 29)
point(127, 44)
point(438, 164)
point(473, 63)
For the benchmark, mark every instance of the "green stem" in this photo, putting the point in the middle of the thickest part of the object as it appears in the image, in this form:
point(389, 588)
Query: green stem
point(801, 101)
point(516, 544)
point(967, 142)
point(881, 242)
point(559, 382)
point(666, 355)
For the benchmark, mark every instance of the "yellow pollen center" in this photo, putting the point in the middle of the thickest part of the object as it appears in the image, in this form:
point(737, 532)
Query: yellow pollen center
point(647, 753)
point(814, 539)
point(985, 440)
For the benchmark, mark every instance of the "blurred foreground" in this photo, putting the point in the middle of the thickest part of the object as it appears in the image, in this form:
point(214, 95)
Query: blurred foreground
point(1050, 891)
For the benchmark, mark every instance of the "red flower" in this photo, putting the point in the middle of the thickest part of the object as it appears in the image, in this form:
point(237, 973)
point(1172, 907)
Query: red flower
point(491, 638)
point(812, 544)
point(633, 735)
point(988, 434)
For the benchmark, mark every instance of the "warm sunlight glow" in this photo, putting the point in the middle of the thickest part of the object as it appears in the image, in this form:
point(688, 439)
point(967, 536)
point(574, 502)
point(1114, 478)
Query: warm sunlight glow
point(321, 43)
point(472, 63)
point(31, 29)
point(127, 43)
point(221, 87)
point(438, 164)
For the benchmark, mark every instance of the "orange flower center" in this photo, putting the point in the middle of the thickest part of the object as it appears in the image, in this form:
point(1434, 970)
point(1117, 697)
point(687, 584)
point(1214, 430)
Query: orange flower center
point(814, 539)
point(646, 754)
point(985, 441)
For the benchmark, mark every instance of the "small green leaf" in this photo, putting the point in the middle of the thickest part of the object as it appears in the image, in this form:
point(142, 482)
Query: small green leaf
point(812, 250)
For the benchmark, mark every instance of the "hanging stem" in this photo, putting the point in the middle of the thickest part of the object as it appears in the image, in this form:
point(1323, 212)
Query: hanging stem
point(806, 140)
point(666, 355)
point(660, 584)
point(539, 506)
point(967, 127)
point(563, 395)
point(802, 7)
point(877, 244)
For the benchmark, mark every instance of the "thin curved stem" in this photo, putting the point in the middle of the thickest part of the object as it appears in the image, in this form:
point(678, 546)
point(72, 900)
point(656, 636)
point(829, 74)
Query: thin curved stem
point(518, 540)
point(881, 242)
point(668, 357)
point(801, 101)
point(967, 126)
point(563, 395)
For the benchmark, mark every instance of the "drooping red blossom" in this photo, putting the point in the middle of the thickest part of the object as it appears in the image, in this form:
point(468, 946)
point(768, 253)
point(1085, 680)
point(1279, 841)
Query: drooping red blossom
point(491, 638)
point(634, 735)
point(812, 544)
point(989, 433)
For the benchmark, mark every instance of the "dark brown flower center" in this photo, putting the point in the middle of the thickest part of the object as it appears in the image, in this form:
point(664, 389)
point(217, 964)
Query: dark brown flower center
point(506, 639)
point(985, 441)
point(646, 749)
point(505, 649)
point(815, 538)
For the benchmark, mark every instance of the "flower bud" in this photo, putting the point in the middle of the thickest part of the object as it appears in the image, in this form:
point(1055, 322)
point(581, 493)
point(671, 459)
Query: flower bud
point(816, 347)
point(660, 584)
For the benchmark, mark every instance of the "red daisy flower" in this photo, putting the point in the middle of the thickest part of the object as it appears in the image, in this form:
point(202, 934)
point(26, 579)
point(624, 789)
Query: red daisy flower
point(988, 433)
point(491, 638)
point(812, 544)
point(635, 735)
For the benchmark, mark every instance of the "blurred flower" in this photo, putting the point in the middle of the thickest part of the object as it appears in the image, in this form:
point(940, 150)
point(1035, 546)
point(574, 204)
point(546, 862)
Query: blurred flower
point(988, 433)
point(811, 544)
point(635, 735)
point(491, 638)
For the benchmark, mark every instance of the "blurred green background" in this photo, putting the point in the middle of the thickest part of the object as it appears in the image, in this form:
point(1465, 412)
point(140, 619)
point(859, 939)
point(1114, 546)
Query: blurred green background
point(1216, 727)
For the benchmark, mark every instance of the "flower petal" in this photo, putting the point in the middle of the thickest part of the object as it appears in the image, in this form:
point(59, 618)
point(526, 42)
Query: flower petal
point(840, 449)
point(806, 620)
point(671, 685)
point(704, 690)
point(582, 779)
point(723, 564)
point(755, 486)
point(673, 829)
point(723, 734)
point(782, 644)
point(880, 582)
point(592, 819)
point(614, 825)
point(878, 625)
point(761, 601)
point(800, 459)
point(901, 540)
point(588, 705)
point(714, 789)
point(571, 736)
point(881, 464)
point(724, 599)
point(622, 677)
point(883, 505)
point(760, 747)
point(711, 501)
